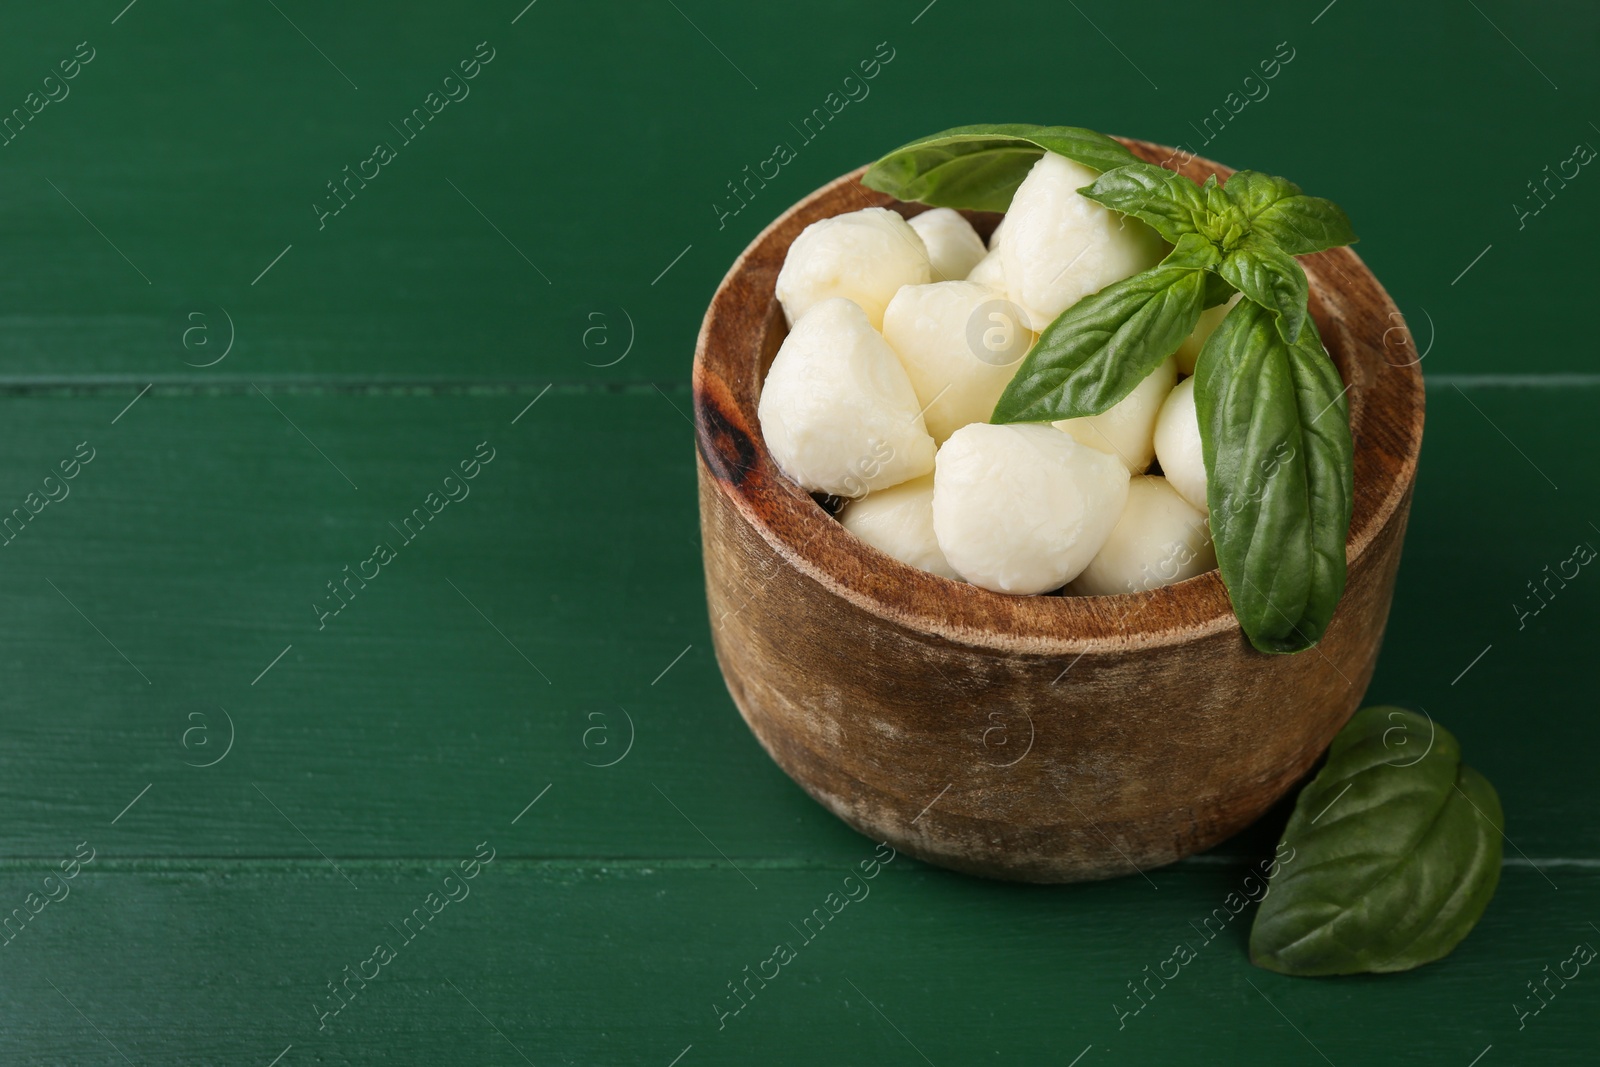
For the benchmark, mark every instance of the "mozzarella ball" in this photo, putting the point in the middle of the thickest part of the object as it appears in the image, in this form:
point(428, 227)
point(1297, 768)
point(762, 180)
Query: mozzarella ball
point(1022, 508)
point(960, 343)
point(1160, 539)
point(1178, 445)
point(1060, 247)
point(954, 247)
point(1128, 429)
point(989, 272)
point(837, 410)
point(864, 256)
point(899, 522)
point(1210, 319)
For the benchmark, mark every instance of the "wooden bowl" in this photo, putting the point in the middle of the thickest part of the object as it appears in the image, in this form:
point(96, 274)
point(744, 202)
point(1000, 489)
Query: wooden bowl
point(1047, 738)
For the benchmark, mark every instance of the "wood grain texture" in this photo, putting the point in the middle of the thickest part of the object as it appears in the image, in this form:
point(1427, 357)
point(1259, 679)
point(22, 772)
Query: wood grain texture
point(1154, 730)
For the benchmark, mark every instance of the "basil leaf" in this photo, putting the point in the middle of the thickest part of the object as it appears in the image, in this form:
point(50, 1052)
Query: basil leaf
point(979, 167)
point(1172, 204)
point(1097, 350)
point(1301, 225)
point(1276, 209)
point(1262, 271)
point(1252, 192)
point(1218, 291)
point(1192, 250)
point(1275, 433)
point(1395, 855)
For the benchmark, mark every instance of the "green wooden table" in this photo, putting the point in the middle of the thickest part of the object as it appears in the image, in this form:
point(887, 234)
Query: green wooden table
point(505, 755)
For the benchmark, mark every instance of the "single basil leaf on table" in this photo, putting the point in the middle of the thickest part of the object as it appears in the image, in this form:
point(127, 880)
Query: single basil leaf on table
point(1172, 204)
point(1396, 848)
point(1100, 348)
point(978, 168)
point(1269, 276)
point(1275, 433)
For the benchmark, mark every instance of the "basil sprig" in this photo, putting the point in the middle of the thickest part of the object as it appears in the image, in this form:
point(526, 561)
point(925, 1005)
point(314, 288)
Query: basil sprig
point(1257, 227)
point(1394, 853)
point(1275, 431)
point(978, 168)
point(1273, 422)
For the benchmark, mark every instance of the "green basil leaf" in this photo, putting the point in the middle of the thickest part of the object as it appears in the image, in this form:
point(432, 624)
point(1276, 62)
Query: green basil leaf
point(1275, 433)
point(1219, 203)
point(1252, 192)
point(1221, 222)
point(1192, 250)
point(1320, 398)
point(1218, 291)
point(1097, 350)
point(1262, 271)
point(1395, 852)
point(1172, 204)
point(979, 167)
point(1301, 225)
point(1276, 209)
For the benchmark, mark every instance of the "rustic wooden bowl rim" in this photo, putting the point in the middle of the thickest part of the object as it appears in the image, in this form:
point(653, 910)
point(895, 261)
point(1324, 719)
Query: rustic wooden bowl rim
point(727, 382)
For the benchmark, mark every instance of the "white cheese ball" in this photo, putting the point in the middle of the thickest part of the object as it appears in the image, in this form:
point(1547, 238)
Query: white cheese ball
point(1178, 445)
point(1128, 429)
point(1023, 508)
point(954, 247)
point(960, 343)
point(1060, 247)
point(989, 272)
point(837, 410)
point(899, 522)
point(1160, 539)
point(1189, 351)
point(864, 256)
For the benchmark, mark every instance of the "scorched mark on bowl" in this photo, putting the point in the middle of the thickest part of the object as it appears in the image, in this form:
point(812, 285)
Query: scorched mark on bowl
point(727, 449)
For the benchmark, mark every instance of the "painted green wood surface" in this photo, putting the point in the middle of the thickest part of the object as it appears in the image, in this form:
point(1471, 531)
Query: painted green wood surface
point(552, 621)
point(628, 963)
point(597, 141)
